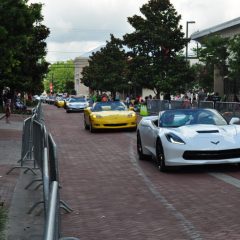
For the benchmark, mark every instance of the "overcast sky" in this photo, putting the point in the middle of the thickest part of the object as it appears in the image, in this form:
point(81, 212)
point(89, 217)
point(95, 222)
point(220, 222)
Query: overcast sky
point(79, 26)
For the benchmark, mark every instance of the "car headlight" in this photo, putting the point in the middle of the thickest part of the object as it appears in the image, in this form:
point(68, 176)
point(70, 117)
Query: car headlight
point(131, 115)
point(96, 116)
point(172, 138)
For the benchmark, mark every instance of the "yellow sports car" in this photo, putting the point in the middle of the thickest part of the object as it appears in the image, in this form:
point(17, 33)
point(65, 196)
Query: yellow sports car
point(60, 102)
point(109, 115)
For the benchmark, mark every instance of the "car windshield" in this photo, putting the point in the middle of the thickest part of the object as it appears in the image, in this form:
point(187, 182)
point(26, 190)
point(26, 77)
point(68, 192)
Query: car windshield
point(77, 100)
point(109, 106)
point(181, 117)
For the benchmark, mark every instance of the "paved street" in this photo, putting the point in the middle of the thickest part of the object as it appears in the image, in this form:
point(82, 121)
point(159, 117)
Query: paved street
point(114, 196)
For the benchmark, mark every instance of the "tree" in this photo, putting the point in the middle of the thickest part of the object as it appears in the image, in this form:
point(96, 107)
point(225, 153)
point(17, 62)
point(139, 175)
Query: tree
point(213, 52)
point(61, 75)
point(203, 77)
point(234, 57)
point(156, 44)
point(22, 46)
point(106, 70)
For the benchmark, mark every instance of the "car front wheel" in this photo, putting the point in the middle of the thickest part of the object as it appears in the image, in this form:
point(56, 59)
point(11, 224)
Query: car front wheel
point(91, 128)
point(85, 124)
point(141, 155)
point(160, 157)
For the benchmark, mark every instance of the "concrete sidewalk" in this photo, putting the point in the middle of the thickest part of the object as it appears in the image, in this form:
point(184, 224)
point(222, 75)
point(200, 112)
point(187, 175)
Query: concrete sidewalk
point(13, 195)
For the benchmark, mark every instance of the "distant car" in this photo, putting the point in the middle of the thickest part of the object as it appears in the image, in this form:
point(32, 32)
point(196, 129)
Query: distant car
point(109, 115)
point(76, 104)
point(36, 98)
point(50, 99)
point(43, 98)
point(60, 102)
point(188, 137)
point(19, 105)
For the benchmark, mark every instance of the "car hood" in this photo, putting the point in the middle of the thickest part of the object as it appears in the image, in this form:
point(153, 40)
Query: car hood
point(202, 135)
point(113, 113)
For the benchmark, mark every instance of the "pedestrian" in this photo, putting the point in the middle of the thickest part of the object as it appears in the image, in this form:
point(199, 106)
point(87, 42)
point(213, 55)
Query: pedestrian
point(186, 102)
point(201, 95)
point(7, 103)
point(127, 100)
point(104, 97)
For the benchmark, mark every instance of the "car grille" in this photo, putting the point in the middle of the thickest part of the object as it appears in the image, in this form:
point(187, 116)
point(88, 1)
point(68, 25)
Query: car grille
point(212, 155)
point(115, 125)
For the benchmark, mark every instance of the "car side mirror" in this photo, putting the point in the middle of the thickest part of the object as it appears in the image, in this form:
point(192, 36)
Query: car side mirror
point(234, 120)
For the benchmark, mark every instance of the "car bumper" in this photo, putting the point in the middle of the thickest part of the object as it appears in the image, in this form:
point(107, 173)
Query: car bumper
point(114, 124)
point(71, 109)
point(178, 157)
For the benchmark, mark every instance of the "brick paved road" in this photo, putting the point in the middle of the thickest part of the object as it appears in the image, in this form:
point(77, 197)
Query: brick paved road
point(116, 197)
point(10, 150)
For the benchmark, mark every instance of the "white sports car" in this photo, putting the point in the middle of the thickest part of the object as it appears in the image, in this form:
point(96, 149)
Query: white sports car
point(188, 137)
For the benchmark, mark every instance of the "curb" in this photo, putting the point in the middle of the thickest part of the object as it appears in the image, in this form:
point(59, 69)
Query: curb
point(2, 116)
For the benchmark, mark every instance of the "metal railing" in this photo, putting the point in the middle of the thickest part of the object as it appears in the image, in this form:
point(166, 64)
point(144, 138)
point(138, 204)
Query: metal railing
point(230, 109)
point(39, 147)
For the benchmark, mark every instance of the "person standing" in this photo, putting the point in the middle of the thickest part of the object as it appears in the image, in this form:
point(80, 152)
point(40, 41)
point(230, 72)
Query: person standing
point(201, 96)
point(7, 103)
point(127, 100)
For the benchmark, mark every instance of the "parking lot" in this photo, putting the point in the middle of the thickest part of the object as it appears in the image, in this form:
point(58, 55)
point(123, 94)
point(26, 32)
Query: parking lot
point(116, 196)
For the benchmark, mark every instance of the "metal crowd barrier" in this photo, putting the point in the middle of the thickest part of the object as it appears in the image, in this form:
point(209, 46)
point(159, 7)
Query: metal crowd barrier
point(54, 172)
point(38, 146)
point(39, 112)
point(154, 106)
point(27, 147)
point(206, 104)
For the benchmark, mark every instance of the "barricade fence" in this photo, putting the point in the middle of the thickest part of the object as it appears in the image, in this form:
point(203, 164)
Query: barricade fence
point(229, 109)
point(38, 147)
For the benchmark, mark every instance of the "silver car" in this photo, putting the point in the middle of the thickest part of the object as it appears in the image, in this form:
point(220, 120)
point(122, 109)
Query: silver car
point(76, 104)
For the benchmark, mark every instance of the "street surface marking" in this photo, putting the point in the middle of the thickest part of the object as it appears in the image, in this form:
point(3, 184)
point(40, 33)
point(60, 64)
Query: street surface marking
point(226, 178)
point(188, 227)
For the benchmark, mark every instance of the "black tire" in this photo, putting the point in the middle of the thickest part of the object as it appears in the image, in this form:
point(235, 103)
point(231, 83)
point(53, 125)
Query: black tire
point(160, 157)
point(91, 128)
point(85, 124)
point(141, 156)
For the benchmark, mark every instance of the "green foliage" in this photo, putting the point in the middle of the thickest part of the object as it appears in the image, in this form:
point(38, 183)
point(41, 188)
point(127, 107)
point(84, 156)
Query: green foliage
point(156, 46)
point(61, 75)
point(214, 51)
point(203, 77)
point(22, 46)
point(234, 57)
point(106, 70)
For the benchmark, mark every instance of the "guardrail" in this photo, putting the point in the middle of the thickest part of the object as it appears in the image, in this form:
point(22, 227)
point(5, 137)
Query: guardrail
point(39, 147)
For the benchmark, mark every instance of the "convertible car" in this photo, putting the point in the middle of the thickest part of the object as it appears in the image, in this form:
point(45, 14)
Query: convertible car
point(188, 137)
point(109, 115)
point(76, 104)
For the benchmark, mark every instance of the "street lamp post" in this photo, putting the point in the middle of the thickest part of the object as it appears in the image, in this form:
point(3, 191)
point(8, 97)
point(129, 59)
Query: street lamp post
point(188, 22)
